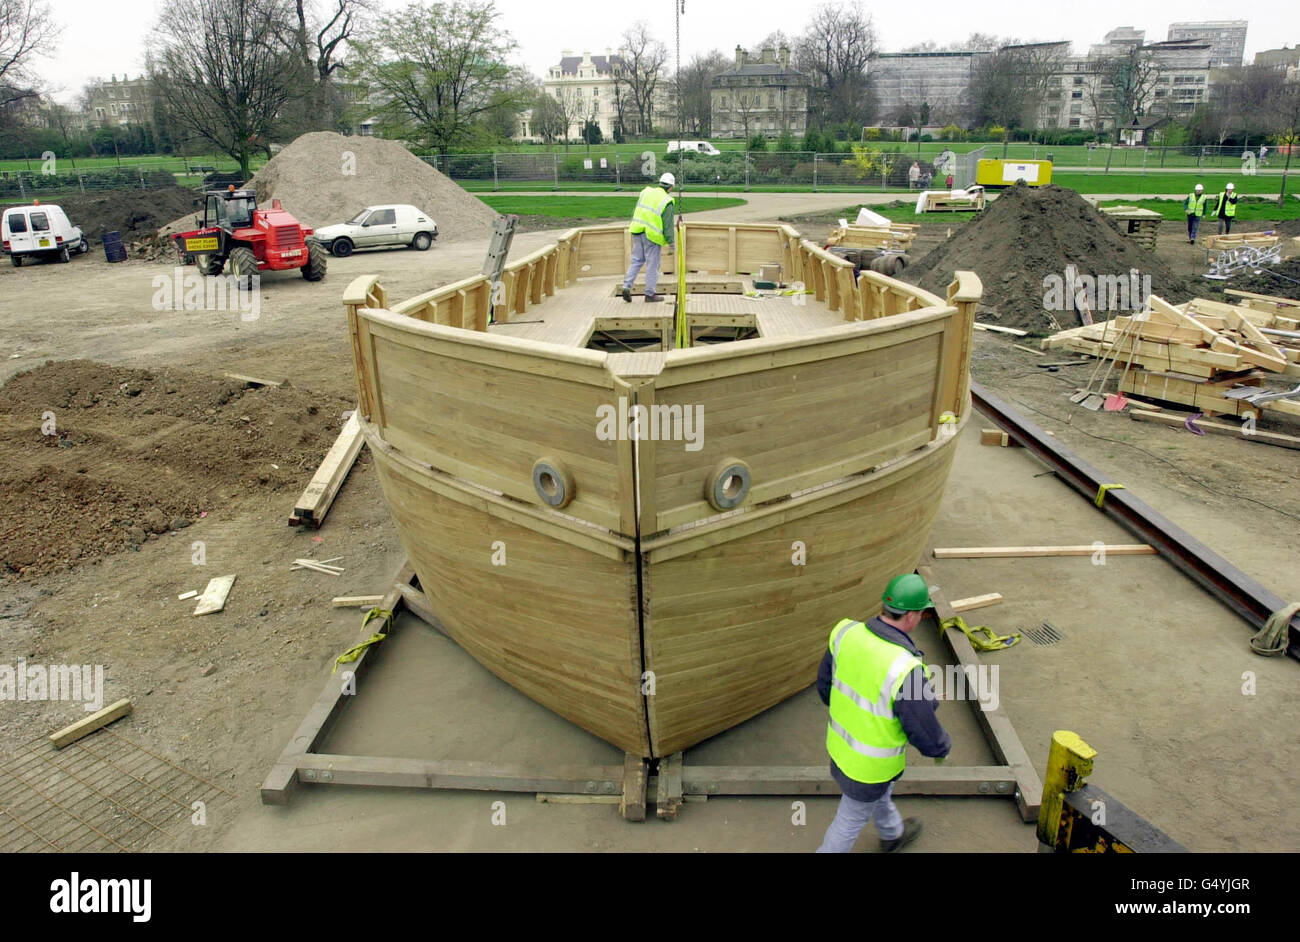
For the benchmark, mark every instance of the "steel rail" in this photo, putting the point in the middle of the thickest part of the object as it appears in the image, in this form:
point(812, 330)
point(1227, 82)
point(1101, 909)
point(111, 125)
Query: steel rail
point(1250, 600)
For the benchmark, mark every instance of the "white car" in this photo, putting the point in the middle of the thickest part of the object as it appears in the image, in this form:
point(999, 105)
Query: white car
point(40, 231)
point(380, 227)
point(697, 147)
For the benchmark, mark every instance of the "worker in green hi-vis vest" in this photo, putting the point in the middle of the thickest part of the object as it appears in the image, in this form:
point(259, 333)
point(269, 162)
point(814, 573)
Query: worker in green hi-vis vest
point(1225, 208)
point(876, 684)
point(1194, 206)
point(652, 229)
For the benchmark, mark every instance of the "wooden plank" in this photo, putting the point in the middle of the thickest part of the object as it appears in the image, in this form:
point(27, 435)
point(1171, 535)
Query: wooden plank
point(253, 380)
point(213, 598)
point(976, 601)
point(997, 726)
point(1003, 552)
point(315, 501)
point(921, 779)
point(1217, 428)
point(96, 720)
point(328, 769)
point(1015, 332)
point(355, 601)
point(636, 773)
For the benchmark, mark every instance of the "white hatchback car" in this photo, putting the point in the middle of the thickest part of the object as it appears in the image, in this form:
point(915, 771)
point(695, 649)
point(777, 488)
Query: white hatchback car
point(40, 231)
point(380, 227)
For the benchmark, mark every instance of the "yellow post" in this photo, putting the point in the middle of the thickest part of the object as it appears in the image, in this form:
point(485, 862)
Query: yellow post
point(1069, 763)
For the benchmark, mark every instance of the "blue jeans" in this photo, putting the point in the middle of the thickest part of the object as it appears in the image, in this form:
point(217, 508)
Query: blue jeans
point(1193, 223)
point(644, 252)
point(852, 816)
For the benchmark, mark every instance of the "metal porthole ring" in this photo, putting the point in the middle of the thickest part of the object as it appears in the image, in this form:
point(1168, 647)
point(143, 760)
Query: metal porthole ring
point(553, 482)
point(728, 485)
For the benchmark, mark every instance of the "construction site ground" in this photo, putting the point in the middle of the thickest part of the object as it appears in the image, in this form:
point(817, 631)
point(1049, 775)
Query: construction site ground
point(1149, 670)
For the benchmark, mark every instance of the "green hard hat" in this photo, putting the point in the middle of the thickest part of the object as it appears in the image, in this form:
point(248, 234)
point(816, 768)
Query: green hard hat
point(907, 593)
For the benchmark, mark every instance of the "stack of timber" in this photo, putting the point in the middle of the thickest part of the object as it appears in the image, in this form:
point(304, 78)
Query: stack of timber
point(968, 200)
point(1140, 225)
point(1257, 240)
point(898, 236)
point(1205, 354)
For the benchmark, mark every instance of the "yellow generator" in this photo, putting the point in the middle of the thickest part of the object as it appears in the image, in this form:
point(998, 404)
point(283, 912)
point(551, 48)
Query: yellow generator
point(1007, 172)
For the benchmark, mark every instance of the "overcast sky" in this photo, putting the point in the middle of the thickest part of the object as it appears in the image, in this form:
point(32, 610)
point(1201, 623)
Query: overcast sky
point(101, 39)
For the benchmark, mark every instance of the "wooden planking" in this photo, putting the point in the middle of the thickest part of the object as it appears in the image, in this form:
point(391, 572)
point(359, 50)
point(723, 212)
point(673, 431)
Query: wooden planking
point(320, 492)
point(976, 601)
point(97, 720)
point(1217, 428)
point(1000, 552)
point(214, 596)
point(572, 644)
point(355, 601)
point(722, 652)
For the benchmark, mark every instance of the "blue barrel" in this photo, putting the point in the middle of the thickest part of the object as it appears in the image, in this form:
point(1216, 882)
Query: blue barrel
point(114, 250)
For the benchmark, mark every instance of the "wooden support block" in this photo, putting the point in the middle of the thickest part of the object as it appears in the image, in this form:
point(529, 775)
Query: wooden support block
point(355, 601)
point(213, 598)
point(995, 436)
point(668, 791)
point(635, 779)
point(97, 720)
point(315, 501)
point(976, 601)
point(1004, 552)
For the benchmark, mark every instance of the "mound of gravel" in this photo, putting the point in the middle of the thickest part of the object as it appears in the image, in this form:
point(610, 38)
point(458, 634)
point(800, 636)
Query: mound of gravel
point(1030, 233)
point(325, 178)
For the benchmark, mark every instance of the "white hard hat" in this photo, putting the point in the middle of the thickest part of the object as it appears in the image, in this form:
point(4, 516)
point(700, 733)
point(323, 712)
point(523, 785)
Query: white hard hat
point(669, 179)
point(1232, 186)
point(1199, 187)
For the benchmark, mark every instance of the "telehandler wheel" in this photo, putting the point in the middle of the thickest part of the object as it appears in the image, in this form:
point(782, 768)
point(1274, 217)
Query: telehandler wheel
point(209, 264)
point(314, 270)
point(243, 266)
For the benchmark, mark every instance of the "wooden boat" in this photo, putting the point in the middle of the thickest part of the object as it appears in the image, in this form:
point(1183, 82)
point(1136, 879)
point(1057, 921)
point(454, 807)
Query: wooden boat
point(577, 534)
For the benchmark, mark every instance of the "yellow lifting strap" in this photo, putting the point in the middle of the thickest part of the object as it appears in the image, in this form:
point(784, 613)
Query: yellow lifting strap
point(990, 642)
point(1101, 492)
point(354, 652)
point(1273, 639)
point(682, 339)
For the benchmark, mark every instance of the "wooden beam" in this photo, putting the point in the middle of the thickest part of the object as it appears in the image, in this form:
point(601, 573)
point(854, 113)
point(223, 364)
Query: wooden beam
point(1015, 332)
point(976, 601)
point(1176, 420)
point(996, 724)
point(253, 380)
point(1001, 552)
point(668, 788)
point(97, 720)
point(355, 601)
point(214, 596)
point(327, 769)
point(921, 779)
point(636, 773)
point(315, 501)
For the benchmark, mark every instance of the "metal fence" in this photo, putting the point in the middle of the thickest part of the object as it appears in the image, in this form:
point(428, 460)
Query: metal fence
point(876, 169)
point(24, 185)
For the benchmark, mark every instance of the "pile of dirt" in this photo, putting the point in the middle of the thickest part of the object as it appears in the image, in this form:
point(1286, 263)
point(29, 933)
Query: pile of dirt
point(1281, 280)
point(325, 178)
point(137, 214)
point(1030, 234)
point(95, 459)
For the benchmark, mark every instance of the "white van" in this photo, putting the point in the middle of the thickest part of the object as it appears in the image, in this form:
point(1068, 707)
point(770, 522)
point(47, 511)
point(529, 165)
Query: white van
point(40, 231)
point(698, 147)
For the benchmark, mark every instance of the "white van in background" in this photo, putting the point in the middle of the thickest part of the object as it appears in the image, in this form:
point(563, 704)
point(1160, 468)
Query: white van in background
point(40, 231)
point(697, 147)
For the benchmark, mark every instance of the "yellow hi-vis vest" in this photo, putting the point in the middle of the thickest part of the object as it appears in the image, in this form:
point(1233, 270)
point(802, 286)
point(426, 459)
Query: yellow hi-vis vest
point(648, 217)
point(1226, 206)
point(1194, 205)
point(864, 736)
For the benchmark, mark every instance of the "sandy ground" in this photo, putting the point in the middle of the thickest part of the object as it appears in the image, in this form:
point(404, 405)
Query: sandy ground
point(1149, 670)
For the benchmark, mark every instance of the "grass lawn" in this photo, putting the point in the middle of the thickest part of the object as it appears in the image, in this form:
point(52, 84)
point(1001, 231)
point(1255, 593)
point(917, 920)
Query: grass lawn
point(1247, 209)
point(1179, 183)
point(594, 207)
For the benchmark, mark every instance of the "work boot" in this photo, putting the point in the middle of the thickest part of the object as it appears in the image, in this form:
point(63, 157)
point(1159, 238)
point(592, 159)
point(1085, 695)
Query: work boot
point(627, 295)
point(653, 298)
point(911, 831)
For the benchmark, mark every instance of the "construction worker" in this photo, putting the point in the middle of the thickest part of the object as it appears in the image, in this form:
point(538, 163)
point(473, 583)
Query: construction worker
point(1225, 207)
point(652, 229)
point(1194, 206)
point(874, 681)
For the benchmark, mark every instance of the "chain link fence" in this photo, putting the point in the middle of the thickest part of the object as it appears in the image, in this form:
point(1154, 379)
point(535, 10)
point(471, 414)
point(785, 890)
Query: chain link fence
point(23, 186)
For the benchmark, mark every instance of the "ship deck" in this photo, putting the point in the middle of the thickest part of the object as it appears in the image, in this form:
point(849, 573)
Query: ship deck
point(570, 317)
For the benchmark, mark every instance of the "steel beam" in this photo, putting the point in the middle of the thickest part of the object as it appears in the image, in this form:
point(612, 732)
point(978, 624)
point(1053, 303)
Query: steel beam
point(1250, 600)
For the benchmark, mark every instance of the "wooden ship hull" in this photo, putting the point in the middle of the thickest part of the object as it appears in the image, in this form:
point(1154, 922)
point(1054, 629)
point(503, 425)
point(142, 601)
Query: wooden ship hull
point(661, 583)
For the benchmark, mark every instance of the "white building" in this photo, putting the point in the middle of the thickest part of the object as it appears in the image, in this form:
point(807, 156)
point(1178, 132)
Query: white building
point(591, 87)
point(1227, 39)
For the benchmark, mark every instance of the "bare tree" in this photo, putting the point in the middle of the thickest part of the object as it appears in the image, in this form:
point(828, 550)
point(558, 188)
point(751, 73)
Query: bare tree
point(1123, 87)
point(27, 30)
point(834, 51)
point(1282, 110)
point(644, 58)
point(441, 68)
point(569, 109)
point(694, 88)
point(226, 71)
point(548, 119)
point(747, 106)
